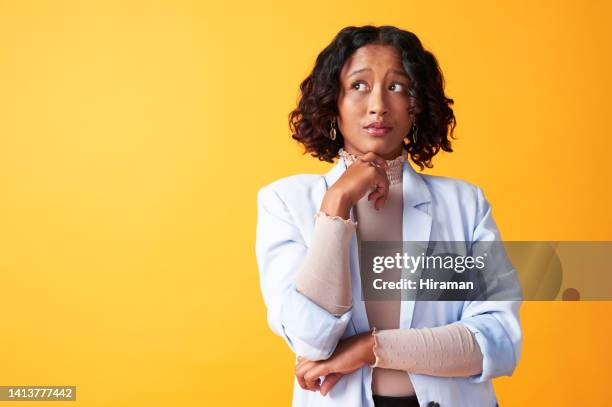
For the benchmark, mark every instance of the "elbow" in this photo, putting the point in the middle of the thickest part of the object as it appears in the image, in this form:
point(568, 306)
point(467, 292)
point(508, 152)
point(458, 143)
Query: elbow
point(309, 330)
point(309, 345)
point(310, 350)
point(500, 348)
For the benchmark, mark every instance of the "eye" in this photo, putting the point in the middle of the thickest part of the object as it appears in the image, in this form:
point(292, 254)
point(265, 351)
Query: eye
point(397, 87)
point(356, 85)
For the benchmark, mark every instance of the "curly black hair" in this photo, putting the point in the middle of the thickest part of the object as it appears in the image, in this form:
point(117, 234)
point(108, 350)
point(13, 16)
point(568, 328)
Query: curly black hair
point(317, 105)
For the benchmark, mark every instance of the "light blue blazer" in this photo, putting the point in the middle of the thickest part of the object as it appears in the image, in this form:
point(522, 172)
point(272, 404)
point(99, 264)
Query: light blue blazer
point(435, 208)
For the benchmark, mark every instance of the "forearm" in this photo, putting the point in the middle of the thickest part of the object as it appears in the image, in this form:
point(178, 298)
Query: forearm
point(324, 276)
point(448, 351)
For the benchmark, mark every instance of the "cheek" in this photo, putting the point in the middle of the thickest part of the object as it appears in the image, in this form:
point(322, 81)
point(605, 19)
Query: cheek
point(401, 102)
point(403, 109)
point(350, 107)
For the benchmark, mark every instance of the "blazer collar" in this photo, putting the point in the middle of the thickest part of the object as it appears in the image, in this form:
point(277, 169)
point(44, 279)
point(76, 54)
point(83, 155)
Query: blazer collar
point(418, 192)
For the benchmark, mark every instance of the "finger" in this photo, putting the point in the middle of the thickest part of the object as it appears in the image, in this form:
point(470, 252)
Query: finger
point(299, 367)
point(300, 370)
point(312, 382)
point(385, 184)
point(301, 381)
point(330, 381)
point(370, 162)
point(379, 203)
point(380, 176)
point(381, 194)
point(376, 163)
point(374, 195)
point(376, 191)
point(372, 157)
point(313, 374)
point(381, 199)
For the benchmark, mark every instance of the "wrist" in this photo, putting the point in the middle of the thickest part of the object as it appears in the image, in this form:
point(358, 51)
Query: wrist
point(336, 204)
point(369, 345)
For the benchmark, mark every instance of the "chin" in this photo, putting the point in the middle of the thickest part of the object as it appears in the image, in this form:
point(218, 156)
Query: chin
point(382, 147)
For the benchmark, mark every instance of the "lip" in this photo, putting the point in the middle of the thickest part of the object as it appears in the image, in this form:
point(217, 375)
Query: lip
point(377, 129)
point(378, 125)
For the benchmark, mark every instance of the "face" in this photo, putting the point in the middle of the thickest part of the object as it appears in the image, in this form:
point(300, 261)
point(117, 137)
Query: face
point(374, 90)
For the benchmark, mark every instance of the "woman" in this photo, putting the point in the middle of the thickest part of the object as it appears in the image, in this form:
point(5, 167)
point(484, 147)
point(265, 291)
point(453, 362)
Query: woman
point(375, 97)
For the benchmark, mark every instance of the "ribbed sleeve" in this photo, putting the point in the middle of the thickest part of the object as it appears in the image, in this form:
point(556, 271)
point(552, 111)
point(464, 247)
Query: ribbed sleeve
point(324, 276)
point(449, 350)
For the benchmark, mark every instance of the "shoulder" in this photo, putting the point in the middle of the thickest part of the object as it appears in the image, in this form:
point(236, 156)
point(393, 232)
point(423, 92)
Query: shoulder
point(292, 202)
point(291, 185)
point(293, 191)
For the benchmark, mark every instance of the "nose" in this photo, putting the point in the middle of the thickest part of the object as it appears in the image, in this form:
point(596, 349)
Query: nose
point(376, 102)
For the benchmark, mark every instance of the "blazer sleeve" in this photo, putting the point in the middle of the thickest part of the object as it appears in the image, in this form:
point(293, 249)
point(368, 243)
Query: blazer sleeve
point(495, 323)
point(309, 330)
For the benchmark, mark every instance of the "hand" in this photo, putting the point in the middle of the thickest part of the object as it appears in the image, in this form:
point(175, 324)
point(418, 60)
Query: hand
point(368, 172)
point(350, 354)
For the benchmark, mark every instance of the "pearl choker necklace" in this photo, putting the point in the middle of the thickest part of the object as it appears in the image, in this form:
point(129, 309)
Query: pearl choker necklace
point(394, 173)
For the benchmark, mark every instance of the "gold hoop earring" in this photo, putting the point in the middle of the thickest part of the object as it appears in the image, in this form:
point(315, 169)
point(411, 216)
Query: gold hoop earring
point(332, 131)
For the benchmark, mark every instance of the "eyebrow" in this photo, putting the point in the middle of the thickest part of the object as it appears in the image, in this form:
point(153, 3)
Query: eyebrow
point(396, 71)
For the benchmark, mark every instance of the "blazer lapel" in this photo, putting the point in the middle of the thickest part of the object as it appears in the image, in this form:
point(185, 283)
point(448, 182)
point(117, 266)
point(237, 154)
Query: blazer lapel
point(416, 227)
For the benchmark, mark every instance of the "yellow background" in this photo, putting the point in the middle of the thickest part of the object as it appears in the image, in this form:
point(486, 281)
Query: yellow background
point(135, 135)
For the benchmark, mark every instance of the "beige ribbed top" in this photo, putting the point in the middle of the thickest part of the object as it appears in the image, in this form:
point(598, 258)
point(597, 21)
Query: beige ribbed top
point(324, 277)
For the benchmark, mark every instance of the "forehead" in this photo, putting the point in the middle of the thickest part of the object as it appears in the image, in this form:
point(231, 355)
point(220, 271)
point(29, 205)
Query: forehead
point(378, 58)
